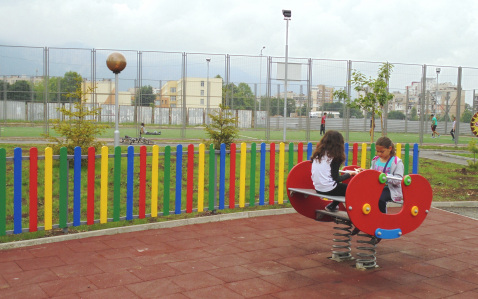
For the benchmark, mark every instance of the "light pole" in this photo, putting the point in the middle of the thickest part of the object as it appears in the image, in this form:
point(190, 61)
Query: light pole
point(260, 80)
point(207, 107)
point(436, 92)
point(116, 62)
point(287, 15)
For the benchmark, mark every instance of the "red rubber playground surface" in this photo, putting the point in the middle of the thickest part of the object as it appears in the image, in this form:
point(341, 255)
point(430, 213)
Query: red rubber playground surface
point(265, 257)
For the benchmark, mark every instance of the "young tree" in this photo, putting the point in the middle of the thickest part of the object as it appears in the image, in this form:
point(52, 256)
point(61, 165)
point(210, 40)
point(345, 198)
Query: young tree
point(20, 91)
point(221, 128)
point(79, 129)
point(373, 94)
point(147, 97)
point(474, 150)
point(413, 114)
point(396, 115)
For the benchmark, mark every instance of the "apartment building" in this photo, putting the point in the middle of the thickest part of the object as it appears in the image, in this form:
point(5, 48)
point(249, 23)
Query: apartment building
point(196, 92)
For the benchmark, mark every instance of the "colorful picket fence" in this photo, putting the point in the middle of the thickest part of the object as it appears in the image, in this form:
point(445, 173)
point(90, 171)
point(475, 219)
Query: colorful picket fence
point(105, 156)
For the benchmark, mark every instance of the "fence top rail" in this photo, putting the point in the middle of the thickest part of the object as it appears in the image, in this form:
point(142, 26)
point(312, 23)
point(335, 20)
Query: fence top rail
point(173, 153)
point(32, 47)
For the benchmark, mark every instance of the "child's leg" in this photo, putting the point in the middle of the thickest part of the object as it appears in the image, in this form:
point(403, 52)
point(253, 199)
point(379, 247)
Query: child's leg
point(384, 198)
point(339, 190)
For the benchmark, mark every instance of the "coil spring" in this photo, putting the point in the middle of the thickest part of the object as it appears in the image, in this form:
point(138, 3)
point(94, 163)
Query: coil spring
point(341, 252)
point(367, 259)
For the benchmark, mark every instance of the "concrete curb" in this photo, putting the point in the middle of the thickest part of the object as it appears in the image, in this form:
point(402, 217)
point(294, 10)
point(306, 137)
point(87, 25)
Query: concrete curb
point(453, 156)
point(141, 227)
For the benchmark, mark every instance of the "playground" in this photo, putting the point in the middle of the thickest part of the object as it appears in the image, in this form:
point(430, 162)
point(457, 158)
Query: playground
point(281, 256)
point(194, 255)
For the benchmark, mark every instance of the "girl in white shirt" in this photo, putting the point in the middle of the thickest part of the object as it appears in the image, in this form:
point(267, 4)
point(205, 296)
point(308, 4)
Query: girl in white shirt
point(326, 160)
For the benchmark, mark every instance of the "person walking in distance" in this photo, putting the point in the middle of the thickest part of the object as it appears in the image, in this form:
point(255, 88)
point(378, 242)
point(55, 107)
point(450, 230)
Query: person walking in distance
point(452, 132)
point(434, 126)
point(322, 124)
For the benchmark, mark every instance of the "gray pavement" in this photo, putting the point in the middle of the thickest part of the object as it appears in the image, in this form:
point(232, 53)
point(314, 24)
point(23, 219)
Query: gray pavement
point(432, 154)
point(471, 212)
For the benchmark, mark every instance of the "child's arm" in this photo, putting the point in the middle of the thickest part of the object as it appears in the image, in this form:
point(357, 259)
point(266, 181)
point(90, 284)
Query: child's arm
point(334, 172)
point(398, 173)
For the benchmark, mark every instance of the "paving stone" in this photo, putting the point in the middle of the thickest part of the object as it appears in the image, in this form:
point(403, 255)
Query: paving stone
point(268, 268)
point(76, 270)
point(299, 262)
point(108, 280)
point(32, 291)
point(216, 292)
point(193, 266)
point(110, 293)
point(67, 286)
point(192, 281)
point(423, 290)
point(155, 272)
point(451, 284)
point(9, 267)
point(253, 287)
point(30, 277)
point(81, 257)
point(155, 288)
point(39, 263)
point(235, 273)
point(289, 280)
point(15, 255)
point(228, 260)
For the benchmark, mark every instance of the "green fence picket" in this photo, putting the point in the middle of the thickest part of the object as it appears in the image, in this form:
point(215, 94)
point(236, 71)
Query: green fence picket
point(407, 158)
point(167, 171)
point(252, 199)
point(3, 192)
point(212, 172)
point(291, 156)
point(117, 184)
point(63, 187)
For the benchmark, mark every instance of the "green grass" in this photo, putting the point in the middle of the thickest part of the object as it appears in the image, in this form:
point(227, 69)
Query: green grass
point(448, 181)
point(197, 133)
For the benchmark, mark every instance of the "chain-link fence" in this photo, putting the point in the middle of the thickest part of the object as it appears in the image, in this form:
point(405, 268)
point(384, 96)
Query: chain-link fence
point(174, 93)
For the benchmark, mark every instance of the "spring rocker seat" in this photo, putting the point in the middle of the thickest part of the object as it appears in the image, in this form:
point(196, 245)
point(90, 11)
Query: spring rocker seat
point(359, 207)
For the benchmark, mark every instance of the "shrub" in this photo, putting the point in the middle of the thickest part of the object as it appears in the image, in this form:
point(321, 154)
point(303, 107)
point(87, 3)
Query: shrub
point(222, 128)
point(79, 127)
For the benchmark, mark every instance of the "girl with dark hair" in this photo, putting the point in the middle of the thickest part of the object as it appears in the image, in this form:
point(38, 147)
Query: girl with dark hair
point(326, 160)
point(387, 162)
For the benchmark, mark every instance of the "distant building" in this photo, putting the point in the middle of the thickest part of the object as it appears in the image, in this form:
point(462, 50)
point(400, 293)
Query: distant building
point(13, 79)
point(435, 97)
point(105, 93)
point(196, 93)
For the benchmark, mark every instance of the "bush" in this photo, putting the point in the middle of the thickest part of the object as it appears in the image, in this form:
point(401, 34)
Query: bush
point(77, 130)
point(474, 150)
point(222, 128)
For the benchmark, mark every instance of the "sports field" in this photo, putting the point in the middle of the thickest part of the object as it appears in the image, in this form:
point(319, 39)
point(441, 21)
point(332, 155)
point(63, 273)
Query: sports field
point(197, 133)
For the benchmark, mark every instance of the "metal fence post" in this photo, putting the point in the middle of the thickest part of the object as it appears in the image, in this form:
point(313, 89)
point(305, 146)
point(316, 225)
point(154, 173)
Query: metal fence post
point(45, 80)
point(406, 112)
point(427, 112)
point(309, 99)
point(475, 103)
point(422, 102)
point(4, 101)
point(385, 118)
point(458, 106)
point(183, 92)
point(255, 107)
point(268, 101)
point(349, 94)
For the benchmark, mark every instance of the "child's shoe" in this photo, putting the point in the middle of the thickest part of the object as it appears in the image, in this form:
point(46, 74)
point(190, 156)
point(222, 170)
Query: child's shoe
point(331, 208)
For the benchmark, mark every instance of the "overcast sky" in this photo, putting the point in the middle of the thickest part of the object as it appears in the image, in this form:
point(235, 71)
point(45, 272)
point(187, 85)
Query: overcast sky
point(439, 32)
point(433, 32)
